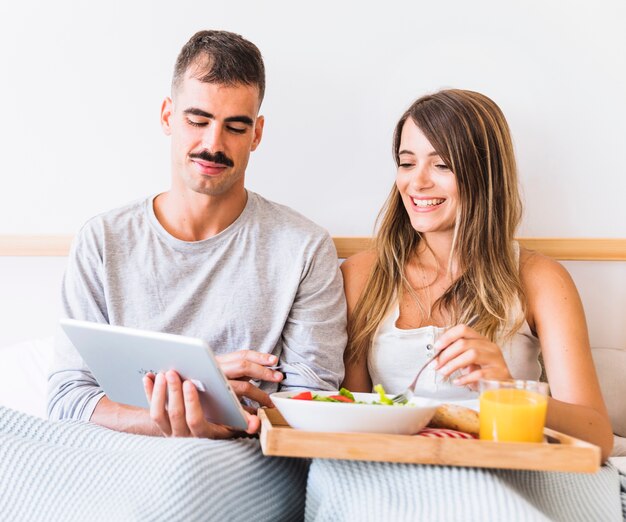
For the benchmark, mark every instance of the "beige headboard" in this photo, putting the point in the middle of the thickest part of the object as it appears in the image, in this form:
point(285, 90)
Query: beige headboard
point(566, 249)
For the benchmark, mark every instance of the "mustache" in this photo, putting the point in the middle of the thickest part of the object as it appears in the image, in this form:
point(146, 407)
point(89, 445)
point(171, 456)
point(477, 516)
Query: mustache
point(218, 157)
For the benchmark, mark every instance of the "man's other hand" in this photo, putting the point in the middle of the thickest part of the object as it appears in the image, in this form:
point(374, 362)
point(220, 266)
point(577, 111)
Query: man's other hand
point(244, 365)
point(248, 364)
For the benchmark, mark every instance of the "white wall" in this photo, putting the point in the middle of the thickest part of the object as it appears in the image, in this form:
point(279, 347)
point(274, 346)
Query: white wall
point(82, 84)
point(30, 304)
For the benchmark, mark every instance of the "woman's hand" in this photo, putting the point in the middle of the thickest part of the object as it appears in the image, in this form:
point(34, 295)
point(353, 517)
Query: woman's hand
point(464, 349)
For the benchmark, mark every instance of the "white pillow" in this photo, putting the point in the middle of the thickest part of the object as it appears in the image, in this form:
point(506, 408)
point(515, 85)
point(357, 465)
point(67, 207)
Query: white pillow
point(25, 374)
point(619, 447)
point(619, 463)
point(611, 367)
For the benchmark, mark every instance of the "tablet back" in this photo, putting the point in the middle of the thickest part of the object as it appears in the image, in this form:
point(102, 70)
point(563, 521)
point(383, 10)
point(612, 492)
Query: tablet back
point(119, 357)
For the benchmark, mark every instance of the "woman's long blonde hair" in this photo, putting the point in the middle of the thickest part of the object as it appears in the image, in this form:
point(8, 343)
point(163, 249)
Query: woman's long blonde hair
point(470, 134)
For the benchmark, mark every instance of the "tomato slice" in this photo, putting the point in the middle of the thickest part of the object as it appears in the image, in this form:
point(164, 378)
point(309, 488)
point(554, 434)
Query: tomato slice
point(304, 396)
point(341, 398)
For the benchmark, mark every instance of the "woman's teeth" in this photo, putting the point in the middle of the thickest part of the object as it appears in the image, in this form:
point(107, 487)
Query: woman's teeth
point(427, 202)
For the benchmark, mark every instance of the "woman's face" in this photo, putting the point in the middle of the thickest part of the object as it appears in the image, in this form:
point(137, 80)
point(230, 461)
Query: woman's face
point(427, 186)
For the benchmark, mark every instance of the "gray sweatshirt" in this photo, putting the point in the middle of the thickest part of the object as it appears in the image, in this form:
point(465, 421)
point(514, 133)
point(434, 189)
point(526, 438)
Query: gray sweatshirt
point(270, 282)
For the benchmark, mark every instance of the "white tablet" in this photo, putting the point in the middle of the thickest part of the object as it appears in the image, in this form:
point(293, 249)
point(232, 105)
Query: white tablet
point(119, 357)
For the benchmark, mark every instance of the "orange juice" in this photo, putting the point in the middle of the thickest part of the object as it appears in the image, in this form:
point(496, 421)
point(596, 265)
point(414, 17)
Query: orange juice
point(512, 415)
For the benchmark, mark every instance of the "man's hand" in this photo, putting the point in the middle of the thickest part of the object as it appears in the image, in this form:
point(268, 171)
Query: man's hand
point(242, 366)
point(175, 406)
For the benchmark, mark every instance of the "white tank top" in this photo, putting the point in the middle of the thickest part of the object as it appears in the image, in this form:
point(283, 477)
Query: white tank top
point(397, 354)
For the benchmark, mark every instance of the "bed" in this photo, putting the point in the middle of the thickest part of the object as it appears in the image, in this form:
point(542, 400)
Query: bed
point(22, 426)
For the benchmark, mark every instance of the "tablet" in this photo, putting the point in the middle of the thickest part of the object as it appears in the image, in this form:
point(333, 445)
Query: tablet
point(119, 357)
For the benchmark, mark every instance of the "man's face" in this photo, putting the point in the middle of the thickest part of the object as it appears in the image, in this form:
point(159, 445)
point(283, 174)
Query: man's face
point(213, 128)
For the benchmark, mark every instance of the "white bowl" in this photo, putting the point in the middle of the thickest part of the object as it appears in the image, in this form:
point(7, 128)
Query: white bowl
point(347, 417)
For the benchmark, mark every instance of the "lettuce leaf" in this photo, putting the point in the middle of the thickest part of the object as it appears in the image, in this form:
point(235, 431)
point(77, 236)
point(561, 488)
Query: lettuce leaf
point(383, 396)
point(346, 393)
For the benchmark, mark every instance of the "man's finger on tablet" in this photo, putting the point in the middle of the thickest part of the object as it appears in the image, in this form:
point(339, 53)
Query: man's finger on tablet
point(148, 386)
point(176, 405)
point(194, 416)
point(254, 424)
point(158, 413)
point(198, 425)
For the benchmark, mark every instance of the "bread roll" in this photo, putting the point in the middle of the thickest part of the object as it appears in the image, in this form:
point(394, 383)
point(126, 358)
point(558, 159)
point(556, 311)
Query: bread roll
point(454, 417)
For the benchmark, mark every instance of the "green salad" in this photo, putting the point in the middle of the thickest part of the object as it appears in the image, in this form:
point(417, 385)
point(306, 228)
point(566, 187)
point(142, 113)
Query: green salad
point(345, 395)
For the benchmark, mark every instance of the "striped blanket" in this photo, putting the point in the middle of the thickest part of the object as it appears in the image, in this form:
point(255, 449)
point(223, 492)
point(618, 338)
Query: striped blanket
point(53, 471)
point(623, 483)
point(374, 491)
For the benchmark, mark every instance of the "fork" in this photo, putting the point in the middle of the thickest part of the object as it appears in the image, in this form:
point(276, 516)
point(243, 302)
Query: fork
point(305, 371)
point(407, 394)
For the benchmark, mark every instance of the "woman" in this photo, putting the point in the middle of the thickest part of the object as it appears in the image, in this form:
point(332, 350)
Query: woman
point(445, 252)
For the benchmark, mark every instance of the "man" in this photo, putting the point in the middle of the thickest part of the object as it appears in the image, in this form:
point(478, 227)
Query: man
point(207, 258)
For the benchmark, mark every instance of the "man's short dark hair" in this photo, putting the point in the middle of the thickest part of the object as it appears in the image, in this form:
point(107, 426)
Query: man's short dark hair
point(221, 57)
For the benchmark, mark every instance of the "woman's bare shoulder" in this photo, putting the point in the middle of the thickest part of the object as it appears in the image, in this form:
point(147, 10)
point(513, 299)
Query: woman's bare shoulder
point(548, 287)
point(359, 263)
point(538, 269)
point(356, 270)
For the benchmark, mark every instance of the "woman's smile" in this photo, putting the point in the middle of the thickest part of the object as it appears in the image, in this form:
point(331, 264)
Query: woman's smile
point(426, 204)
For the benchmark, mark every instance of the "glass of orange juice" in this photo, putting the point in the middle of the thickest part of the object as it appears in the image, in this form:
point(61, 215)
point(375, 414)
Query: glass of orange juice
point(513, 410)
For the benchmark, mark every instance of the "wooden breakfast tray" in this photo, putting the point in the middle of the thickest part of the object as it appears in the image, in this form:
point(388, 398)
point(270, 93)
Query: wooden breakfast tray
point(560, 453)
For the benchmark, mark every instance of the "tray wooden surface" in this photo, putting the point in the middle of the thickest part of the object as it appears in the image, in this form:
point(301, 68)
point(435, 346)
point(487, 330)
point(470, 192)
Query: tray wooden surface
point(560, 453)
